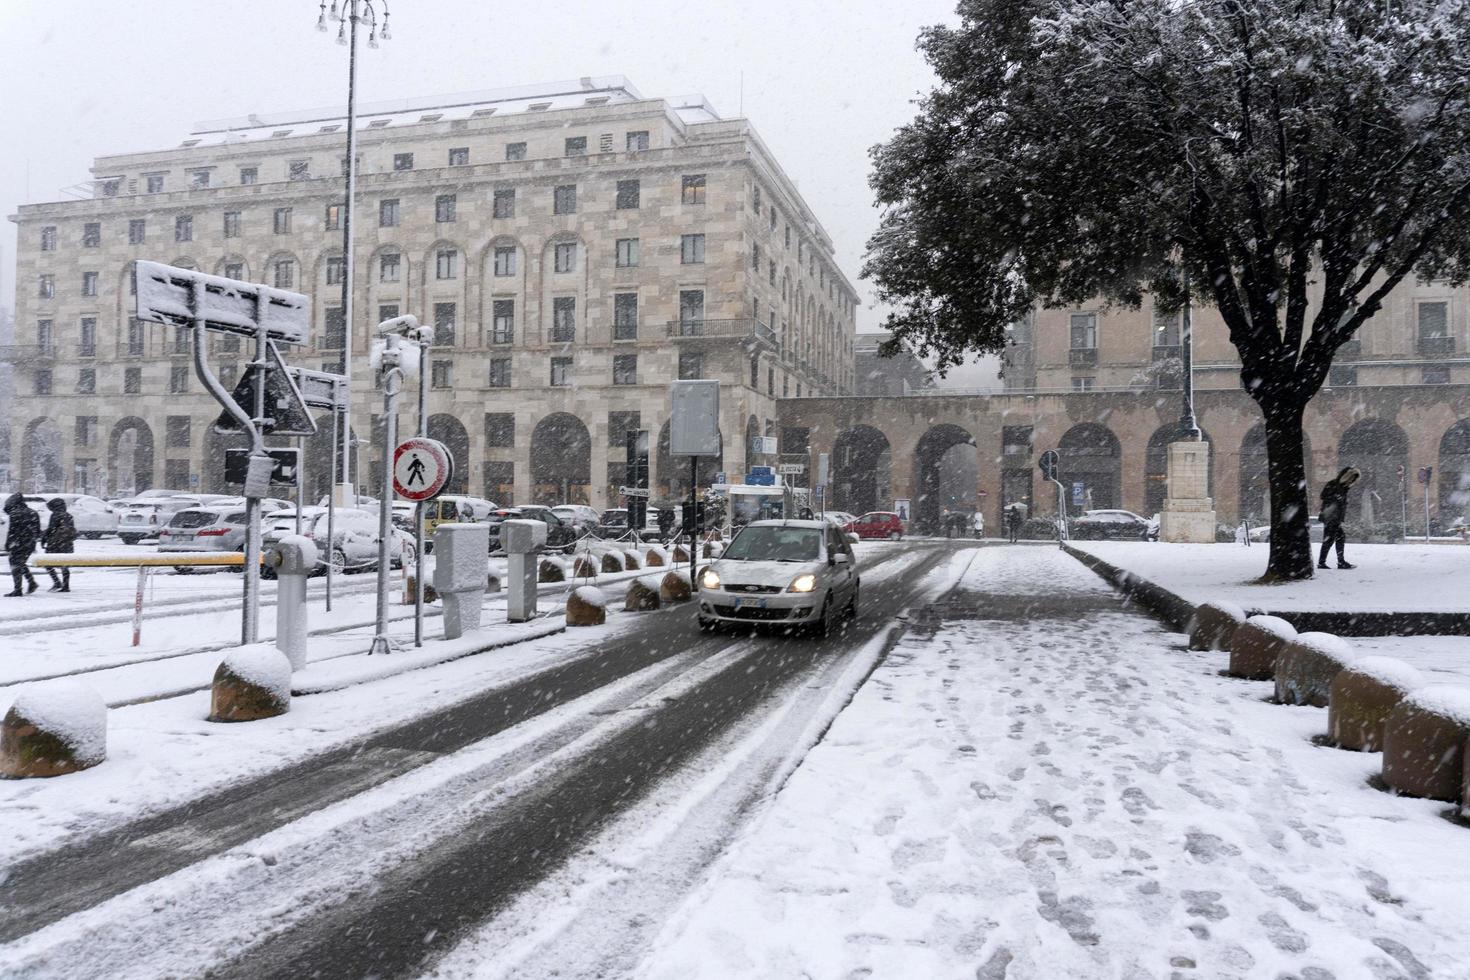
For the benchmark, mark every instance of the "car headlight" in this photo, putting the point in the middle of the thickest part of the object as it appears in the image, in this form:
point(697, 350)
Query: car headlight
point(803, 583)
point(709, 580)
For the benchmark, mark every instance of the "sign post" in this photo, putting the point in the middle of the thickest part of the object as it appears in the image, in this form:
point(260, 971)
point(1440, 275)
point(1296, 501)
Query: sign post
point(1048, 464)
point(319, 389)
point(694, 431)
point(422, 468)
point(1425, 472)
point(636, 492)
point(389, 355)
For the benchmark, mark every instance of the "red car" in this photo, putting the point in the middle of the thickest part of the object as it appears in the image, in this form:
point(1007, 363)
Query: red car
point(878, 524)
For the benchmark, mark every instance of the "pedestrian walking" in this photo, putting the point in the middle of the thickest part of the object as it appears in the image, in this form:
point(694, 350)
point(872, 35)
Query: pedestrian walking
point(20, 541)
point(665, 523)
point(977, 524)
point(1334, 510)
point(945, 524)
point(1013, 522)
point(60, 539)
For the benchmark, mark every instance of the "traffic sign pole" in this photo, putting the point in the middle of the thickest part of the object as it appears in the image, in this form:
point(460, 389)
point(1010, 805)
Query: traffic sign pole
point(392, 385)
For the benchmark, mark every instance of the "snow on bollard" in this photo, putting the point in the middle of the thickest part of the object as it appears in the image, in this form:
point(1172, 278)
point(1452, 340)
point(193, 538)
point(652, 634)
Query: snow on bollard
point(631, 560)
point(1307, 666)
point(1424, 743)
point(713, 549)
point(681, 554)
point(642, 594)
point(1213, 625)
point(51, 729)
point(251, 683)
point(1362, 697)
point(1256, 645)
point(675, 586)
point(655, 557)
point(586, 566)
point(461, 564)
point(586, 606)
point(612, 561)
point(553, 570)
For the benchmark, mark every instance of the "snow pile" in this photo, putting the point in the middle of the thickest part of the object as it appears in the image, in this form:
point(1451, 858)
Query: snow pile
point(1328, 645)
point(1274, 625)
point(1390, 671)
point(309, 553)
point(651, 582)
point(263, 666)
point(71, 711)
point(1445, 700)
point(1230, 609)
point(591, 595)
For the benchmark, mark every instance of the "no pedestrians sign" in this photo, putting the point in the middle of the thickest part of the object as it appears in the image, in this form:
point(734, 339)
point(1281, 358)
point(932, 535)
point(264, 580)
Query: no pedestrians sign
point(422, 468)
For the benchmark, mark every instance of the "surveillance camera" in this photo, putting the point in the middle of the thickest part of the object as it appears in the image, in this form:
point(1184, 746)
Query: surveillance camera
point(402, 325)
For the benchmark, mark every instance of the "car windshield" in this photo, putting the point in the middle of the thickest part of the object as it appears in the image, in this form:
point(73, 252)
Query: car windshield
point(769, 542)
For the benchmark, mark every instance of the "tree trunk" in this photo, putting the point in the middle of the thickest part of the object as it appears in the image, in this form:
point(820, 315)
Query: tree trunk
point(1291, 543)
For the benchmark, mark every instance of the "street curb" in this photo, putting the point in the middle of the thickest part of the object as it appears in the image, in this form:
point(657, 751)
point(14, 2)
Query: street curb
point(1177, 611)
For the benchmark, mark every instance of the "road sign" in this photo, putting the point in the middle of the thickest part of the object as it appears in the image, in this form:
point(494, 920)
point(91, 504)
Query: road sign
point(901, 507)
point(824, 465)
point(761, 476)
point(694, 423)
point(791, 469)
point(721, 478)
point(285, 407)
point(285, 466)
point(319, 389)
point(1079, 493)
point(1425, 472)
point(227, 305)
point(1048, 462)
point(634, 492)
point(763, 445)
point(422, 468)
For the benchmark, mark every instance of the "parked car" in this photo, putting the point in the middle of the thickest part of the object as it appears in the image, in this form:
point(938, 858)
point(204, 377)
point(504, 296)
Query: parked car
point(839, 517)
point(580, 516)
point(1112, 525)
point(207, 528)
point(143, 517)
point(1262, 532)
point(786, 573)
point(614, 522)
point(268, 505)
point(877, 524)
point(355, 537)
point(94, 516)
point(454, 508)
point(559, 534)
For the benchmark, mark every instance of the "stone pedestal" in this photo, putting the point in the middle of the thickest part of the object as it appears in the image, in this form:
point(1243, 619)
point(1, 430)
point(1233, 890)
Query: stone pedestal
point(1189, 513)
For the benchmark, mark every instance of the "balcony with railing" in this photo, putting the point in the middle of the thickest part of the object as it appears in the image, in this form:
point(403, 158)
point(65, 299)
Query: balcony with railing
point(1436, 345)
point(1166, 352)
point(1082, 357)
point(742, 328)
point(23, 354)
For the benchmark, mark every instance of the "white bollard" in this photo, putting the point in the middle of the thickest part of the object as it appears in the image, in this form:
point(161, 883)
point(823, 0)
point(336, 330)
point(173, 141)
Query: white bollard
point(293, 558)
point(461, 564)
point(521, 540)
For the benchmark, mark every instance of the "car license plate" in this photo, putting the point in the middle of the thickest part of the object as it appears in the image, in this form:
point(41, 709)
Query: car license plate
point(750, 603)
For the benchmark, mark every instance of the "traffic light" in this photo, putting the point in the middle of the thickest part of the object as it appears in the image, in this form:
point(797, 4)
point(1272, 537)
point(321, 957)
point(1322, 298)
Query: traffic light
point(693, 517)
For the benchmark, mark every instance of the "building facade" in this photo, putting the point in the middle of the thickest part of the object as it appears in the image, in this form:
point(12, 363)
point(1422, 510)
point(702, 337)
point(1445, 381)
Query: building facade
point(575, 245)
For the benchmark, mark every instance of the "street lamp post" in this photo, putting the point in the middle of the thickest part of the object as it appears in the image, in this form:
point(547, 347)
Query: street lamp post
point(1188, 424)
point(349, 13)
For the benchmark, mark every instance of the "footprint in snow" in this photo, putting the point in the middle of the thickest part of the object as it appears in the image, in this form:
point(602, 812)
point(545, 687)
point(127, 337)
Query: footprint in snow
point(1281, 934)
point(1207, 847)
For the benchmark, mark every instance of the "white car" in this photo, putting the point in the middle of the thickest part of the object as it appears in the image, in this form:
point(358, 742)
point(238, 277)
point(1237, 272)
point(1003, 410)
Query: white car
point(580, 516)
point(94, 517)
point(354, 537)
point(145, 515)
point(781, 573)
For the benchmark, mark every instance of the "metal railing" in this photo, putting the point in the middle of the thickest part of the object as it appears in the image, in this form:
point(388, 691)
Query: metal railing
point(1436, 345)
point(26, 353)
point(740, 328)
point(1082, 357)
point(1164, 352)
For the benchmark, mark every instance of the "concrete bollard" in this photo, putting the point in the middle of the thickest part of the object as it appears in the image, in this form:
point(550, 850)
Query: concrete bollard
point(612, 562)
point(521, 539)
point(1307, 666)
point(1424, 743)
point(642, 594)
point(553, 570)
point(53, 728)
point(461, 566)
point(586, 606)
point(1256, 645)
point(586, 566)
point(655, 557)
point(632, 561)
point(293, 557)
point(1363, 696)
point(675, 586)
point(1213, 625)
point(251, 683)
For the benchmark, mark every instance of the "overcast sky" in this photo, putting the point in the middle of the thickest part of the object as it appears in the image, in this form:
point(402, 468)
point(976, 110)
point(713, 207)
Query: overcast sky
point(822, 81)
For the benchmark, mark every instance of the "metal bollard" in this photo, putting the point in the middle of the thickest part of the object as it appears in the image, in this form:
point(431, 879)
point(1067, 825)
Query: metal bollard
point(293, 558)
point(461, 563)
point(521, 541)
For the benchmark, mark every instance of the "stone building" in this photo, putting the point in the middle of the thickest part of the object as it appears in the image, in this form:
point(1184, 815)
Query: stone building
point(576, 245)
point(896, 375)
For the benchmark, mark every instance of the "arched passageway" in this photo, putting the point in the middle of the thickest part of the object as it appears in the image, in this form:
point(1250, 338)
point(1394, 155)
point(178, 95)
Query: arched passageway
point(450, 431)
point(861, 474)
point(1454, 473)
point(561, 461)
point(1255, 479)
point(1091, 467)
point(1379, 449)
point(946, 472)
point(130, 457)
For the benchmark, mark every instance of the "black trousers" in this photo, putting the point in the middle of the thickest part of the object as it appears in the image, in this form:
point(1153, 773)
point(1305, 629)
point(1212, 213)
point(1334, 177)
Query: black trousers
point(19, 570)
point(61, 577)
point(1332, 535)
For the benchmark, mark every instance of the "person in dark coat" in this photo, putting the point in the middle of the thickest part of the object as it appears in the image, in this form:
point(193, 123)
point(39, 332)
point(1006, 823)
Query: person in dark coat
point(1334, 510)
point(665, 523)
point(1013, 522)
point(20, 541)
point(60, 539)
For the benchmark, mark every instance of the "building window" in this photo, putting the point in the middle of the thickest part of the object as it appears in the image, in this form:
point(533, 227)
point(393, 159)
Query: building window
point(403, 161)
point(45, 337)
point(232, 224)
point(755, 257)
point(88, 337)
point(43, 381)
point(564, 199)
point(619, 426)
point(625, 316)
point(1166, 329)
point(46, 287)
point(691, 367)
point(89, 284)
point(505, 203)
point(444, 208)
point(92, 234)
point(388, 267)
point(691, 309)
point(503, 321)
point(135, 337)
point(388, 213)
point(178, 379)
point(234, 270)
point(515, 151)
point(336, 270)
point(154, 183)
point(1434, 320)
point(248, 175)
point(499, 372)
point(132, 381)
point(565, 257)
point(299, 170)
point(283, 221)
point(576, 146)
point(561, 372)
point(693, 189)
point(563, 320)
point(334, 337)
point(637, 140)
point(229, 343)
point(229, 374)
point(691, 249)
point(48, 238)
point(755, 198)
point(176, 431)
point(627, 195)
point(176, 473)
point(1084, 383)
point(285, 276)
point(334, 217)
point(86, 430)
point(505, 260)
point(500, 430)
point(198, 179)
point(441, 374)
point(773, 219)
point(444, 324)
point(459, 156)
point(87, 381)
point(1084, 333)
point(771, 383)
point(184, 228)
point(446, 264)
point(181, 339)
point(1437, 374)
point(627, 253)
point(1342, 376)
point(387, 311)
point(625, 369)
point(755, 373)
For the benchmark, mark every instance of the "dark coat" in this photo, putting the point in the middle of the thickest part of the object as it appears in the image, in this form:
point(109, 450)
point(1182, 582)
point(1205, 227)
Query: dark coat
point(25, 528)
point(1334, 501)
point(61, 532)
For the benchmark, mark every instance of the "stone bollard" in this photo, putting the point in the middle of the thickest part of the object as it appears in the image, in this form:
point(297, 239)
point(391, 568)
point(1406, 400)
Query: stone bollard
point(1213, 625)
point(1361, 698)
point(1424, 743)
point(53, 728)
point(631, 561)
point(675, 586)
point(251, 683)
point(521, 539)
point(552, 570)
point(293, 557)
point(492, 582)
point(642, 594)
point(461, 565)
point(655, 557)
point(681, 555)
point(1307, 666)
point(1255, 646)
point(612, 561)
point(586, 566)
point(410, 592)
point(586, 606)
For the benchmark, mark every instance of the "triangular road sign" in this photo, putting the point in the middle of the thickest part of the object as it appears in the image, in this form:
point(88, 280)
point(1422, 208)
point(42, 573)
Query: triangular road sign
point(283, 407)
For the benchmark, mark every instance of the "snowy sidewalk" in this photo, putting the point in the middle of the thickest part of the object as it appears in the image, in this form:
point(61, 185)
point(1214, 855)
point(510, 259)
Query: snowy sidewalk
point(1062, 790)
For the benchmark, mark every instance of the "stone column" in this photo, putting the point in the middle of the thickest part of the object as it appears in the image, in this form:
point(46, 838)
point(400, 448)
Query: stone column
point(1189, 514)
